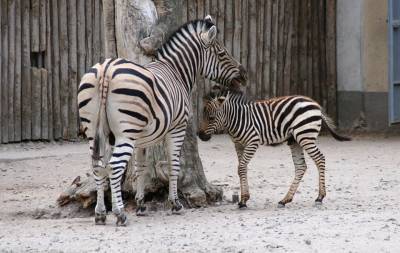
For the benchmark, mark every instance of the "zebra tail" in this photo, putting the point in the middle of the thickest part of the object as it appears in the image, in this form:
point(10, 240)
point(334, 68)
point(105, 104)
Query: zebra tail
point(328, 122)
point(102, 128)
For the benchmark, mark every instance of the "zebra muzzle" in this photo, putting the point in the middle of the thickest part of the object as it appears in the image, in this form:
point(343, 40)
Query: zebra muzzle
point(203, 136)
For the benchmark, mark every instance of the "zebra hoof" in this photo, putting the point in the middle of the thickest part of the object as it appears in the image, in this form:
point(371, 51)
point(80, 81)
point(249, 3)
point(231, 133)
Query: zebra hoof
point(141, 211)
point(281, 205)
point(242, 205)
point(318, 202)
point(122, 220)
point(100, 219)
point(177, 208)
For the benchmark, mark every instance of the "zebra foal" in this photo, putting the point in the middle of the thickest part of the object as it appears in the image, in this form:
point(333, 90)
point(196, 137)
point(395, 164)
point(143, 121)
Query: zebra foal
point(295, 119)
point(125, 108)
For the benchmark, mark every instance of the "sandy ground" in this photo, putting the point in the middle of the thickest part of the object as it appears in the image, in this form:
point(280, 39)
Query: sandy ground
point(360, 213)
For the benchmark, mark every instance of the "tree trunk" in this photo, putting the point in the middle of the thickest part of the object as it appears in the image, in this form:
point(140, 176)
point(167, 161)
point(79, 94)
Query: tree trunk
point(140, 27)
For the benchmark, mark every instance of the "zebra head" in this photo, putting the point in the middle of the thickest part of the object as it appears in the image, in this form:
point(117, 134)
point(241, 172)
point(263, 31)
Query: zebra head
point(218, 65)
point(213, 118)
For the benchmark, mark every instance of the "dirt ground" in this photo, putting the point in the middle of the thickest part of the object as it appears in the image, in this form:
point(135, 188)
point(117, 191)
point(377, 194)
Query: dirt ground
point(361, 212)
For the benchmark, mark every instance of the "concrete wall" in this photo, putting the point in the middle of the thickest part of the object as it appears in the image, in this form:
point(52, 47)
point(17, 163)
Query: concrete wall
point(362, 58)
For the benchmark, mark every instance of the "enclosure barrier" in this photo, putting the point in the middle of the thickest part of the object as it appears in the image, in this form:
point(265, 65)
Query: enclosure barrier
point(288, 47)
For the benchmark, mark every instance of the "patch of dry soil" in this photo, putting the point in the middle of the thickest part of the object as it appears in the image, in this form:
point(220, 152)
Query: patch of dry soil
point(360, 213)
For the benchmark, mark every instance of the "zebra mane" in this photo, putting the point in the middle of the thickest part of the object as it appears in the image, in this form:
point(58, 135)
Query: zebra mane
point(208, 24)
point(219, 91)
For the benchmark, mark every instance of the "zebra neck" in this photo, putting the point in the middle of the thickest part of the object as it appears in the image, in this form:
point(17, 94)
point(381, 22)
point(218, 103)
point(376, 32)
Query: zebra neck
point(238, 116)
point(184, 63)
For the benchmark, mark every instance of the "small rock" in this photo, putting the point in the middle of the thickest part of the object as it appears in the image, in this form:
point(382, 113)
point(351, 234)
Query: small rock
point(308, 242)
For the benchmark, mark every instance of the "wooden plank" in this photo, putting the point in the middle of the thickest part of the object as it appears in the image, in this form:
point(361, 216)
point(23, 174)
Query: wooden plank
point(55, 42)
point(48, 67)
point(287, 47)
point(26, 73)
point(266, 80)
point(36, 103)
point(4, 86)
point(96, 32)
point(89, 33)
point(42, 25)
point(192, 10)
point(237, 27)
point(207, 8)
point(81, 38)
point(214, 11)
point(184, 11)
point(200, 5)
point(252, 56)
point(303, 48)
point(102, 36)
point(322, 53)
point(44, 105)
point(34, 23)
point(11, 68)
point(280, 49)
point(274, 48)
point(108, 23)
point(294, 76)
point(228, 29)
point(331, 56)
point(73, 69)
point(315, 51)
point(260, 44)
point(63, 41)
point(17, 89)
point(309, 50)
point(221, 20)
point(244, 35)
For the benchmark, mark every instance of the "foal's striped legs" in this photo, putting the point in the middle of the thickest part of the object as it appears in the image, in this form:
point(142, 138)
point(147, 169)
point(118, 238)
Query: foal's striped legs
point(300, 168)
point(319, 160)
point(244, 159)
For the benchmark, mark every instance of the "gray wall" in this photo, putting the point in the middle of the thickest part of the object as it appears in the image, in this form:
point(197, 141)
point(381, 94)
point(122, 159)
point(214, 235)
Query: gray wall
point(362, 58)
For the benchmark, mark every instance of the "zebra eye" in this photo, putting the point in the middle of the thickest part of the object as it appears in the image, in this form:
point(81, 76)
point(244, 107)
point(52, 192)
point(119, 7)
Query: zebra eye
point(222, 53)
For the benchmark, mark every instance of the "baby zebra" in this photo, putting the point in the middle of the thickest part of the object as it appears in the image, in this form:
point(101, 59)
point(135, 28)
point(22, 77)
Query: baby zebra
point(295, 119)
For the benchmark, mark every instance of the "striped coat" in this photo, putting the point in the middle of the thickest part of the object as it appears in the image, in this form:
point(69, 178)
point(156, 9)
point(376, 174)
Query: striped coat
point(295, 119)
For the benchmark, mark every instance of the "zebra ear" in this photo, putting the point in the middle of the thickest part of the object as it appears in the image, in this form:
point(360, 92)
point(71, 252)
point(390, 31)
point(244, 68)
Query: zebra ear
point(208, 18)
point(210, 35)
point(221, 100)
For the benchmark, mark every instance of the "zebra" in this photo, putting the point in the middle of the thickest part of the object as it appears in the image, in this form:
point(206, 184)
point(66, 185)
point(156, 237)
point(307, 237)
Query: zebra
point(125, 108)
point(292, 119)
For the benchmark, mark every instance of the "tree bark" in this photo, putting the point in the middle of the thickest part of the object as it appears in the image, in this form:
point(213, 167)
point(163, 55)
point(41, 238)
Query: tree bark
point(139, 32)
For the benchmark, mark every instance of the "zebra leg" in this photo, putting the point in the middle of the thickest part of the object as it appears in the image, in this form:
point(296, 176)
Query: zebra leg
point(248, 153)
point(239, 150)
point(121, 155)
point(141, 166)
point(300, 168)
point(319, 159)
point(100, 176)
point(175, 141)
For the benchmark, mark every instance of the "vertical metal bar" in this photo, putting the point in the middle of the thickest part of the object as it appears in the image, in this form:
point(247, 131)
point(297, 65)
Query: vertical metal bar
point(390, 44)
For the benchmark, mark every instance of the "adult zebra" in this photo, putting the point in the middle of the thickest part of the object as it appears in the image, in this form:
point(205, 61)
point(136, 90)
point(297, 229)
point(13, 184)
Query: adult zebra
point(133, 107)
point(295, 119)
